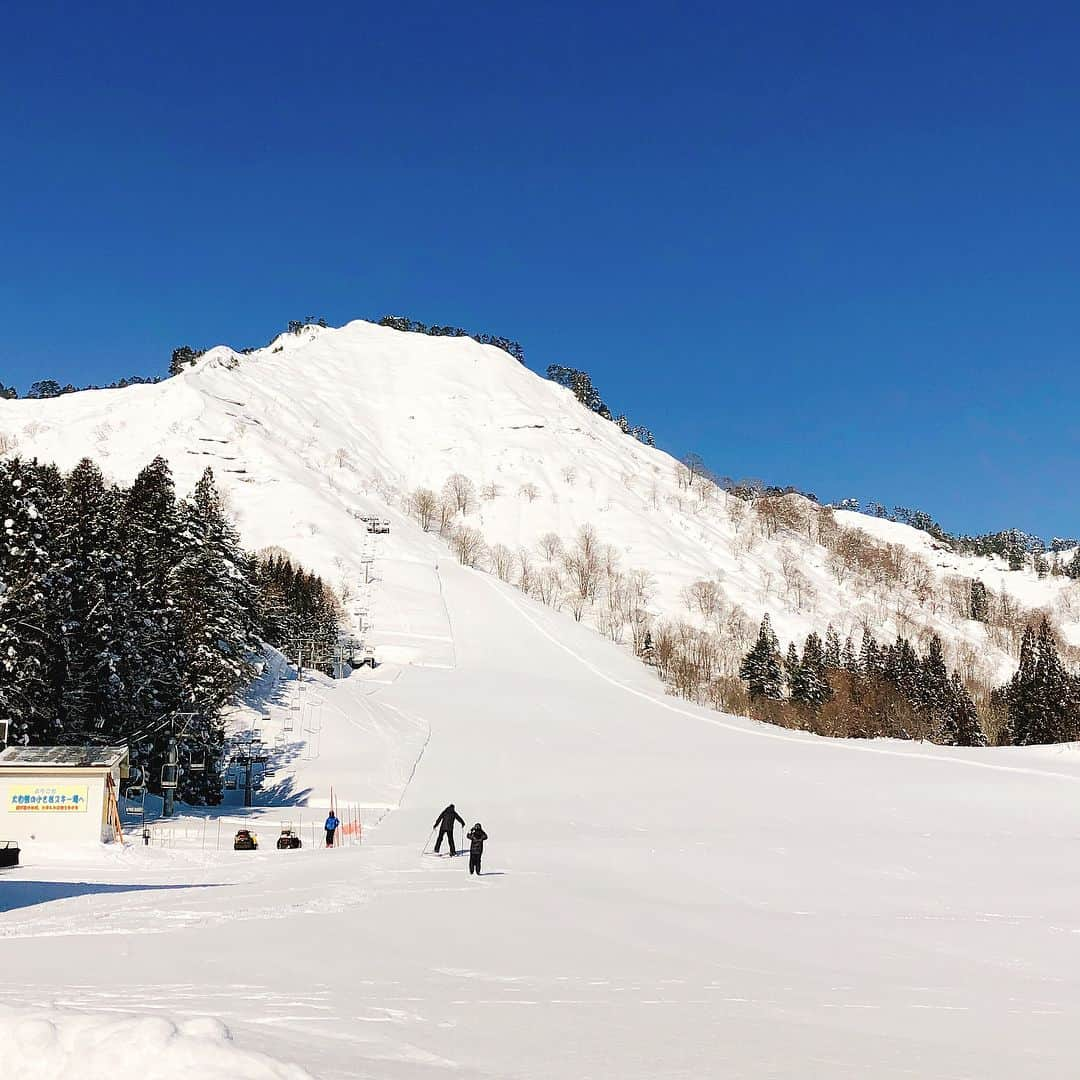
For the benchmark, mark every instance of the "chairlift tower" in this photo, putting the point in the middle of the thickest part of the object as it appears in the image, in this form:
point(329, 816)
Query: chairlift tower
point(170, 771)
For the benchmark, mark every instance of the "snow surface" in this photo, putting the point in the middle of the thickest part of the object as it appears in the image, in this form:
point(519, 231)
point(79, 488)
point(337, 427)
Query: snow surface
point(42, 1044)
point(668, 892)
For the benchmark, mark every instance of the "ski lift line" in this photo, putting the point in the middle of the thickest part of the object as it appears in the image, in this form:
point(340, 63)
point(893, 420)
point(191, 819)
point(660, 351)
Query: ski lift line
point(168, 718)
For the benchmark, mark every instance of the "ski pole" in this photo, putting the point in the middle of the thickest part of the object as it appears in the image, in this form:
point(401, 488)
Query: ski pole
point(428, 840)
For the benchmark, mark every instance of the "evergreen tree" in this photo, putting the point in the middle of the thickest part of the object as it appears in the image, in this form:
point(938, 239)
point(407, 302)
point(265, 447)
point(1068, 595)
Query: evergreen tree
point(29, 660)
point(761, 666)
point(961, 726)
point(152, 538)
point(1055, 692)
point(45, 388)
point(791, 667)
point(1021, 695)
point(183, 357)
point(810, 686)
point(933, 692)
point(979, 605)
point(216, 625)
point(849, 659)
point(93, 590)
point(832, 647)
point(869, 656)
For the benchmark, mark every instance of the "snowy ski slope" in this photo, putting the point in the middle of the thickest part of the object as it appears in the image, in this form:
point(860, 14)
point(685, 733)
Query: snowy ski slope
point(669, 892)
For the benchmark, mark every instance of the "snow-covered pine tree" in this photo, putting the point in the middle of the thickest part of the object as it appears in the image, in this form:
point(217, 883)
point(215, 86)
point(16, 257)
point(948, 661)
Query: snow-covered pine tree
point(810, 687)
point(832, 647)
point(151, 538)
point(849, 659)
point(93, 589)
point(791, 667)
point(761, 667)
point(933, 685)
point(979, 604)
point(215, 602)
point(962, 726)
point(870, 660)
point(1020, 696)
point(1056, 712)
point(29, 643)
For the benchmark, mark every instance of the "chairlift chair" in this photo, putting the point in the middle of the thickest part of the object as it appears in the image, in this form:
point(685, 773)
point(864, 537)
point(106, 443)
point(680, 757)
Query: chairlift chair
point(136, 785)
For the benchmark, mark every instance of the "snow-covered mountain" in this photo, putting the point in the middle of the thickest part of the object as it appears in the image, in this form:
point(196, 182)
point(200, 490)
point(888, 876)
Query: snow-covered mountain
point(325, 424)
point(668, 892)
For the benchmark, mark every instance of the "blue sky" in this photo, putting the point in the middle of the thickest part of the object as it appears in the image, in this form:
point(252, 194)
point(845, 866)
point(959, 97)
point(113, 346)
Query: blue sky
point(829, 245)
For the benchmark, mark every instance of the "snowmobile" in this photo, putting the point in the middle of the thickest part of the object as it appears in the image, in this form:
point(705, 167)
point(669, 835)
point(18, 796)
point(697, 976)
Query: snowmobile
point(245, 840)
point(288, 841)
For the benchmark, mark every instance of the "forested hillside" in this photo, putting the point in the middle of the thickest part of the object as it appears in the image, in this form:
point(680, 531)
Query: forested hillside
point(122, 608)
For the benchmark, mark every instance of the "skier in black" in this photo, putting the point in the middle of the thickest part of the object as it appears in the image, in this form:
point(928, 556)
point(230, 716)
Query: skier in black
point(445, 824)
point(477, 836)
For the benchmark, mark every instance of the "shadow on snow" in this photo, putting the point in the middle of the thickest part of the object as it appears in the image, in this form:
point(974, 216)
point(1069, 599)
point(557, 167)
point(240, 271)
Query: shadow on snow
point(21, 894)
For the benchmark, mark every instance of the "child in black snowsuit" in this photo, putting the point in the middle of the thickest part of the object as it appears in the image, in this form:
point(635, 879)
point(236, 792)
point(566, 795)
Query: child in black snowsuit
point(477, 836)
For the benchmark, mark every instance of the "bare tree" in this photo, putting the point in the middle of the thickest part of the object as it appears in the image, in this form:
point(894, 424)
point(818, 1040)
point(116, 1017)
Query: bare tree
point(490, 491)
point(695, 467)
point(526, 573)
point(704, 595)
point(569, 474)
point(640, 624)
point(642, 586)
point(468, 545)
point(583, 563)
point(776, 512)
point(446, 511)
point(549, 586)
point(423, 504)
point(461, 492)
point(576, 604)
point(342, 457)
point(737, 511)
point(530, 491)
point(502, 561)
point(550, 545)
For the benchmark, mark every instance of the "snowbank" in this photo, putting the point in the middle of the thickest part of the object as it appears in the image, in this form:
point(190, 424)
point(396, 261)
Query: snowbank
point(45, 1043)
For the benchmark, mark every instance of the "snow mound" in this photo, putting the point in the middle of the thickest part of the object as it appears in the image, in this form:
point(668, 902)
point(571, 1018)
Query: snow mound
point(39, 1044)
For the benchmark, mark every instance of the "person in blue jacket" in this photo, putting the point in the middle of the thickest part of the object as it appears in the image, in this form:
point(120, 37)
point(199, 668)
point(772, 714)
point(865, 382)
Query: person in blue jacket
point(331, 827)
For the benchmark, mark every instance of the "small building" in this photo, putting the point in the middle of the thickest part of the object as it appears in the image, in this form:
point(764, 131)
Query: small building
point(61, 794)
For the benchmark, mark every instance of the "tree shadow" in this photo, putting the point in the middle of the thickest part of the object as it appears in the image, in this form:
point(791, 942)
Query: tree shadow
point(283, 793)
point(21, 894)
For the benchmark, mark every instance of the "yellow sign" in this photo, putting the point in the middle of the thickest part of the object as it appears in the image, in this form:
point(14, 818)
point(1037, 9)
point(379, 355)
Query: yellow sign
point(47, 798)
